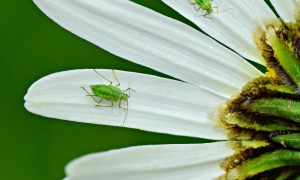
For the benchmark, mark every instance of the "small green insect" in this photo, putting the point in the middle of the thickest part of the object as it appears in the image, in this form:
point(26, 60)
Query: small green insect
point(110, 93)
point(204, 5)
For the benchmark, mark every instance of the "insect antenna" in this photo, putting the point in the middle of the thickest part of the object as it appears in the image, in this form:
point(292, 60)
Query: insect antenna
point(126, 112)
point(128, 89)
point(222, 10)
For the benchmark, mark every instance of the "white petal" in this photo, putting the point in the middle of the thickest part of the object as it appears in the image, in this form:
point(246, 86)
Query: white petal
point(153, 40)
point(285, 9)
point(194, 161)
point(233, 25)
point(159, 105)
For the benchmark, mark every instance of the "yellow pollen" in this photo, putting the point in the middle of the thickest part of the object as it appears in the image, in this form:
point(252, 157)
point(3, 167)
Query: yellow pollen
point(271, 73)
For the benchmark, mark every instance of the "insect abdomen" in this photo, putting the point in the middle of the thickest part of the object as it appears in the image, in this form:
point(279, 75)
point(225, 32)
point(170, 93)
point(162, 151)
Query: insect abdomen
point(110, 93)
point(204, 4)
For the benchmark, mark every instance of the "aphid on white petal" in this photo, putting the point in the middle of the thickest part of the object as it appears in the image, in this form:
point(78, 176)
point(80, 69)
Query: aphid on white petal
point(204, 5)
point(110, 93)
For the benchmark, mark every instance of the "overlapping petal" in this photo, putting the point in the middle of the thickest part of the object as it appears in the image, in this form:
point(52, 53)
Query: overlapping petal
point(233, 25)
point(182, 161)
point(285, 9)
point(158, 104)
point(153, 40)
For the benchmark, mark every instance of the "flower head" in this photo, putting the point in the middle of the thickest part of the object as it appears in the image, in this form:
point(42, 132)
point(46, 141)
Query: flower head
point(209, 72)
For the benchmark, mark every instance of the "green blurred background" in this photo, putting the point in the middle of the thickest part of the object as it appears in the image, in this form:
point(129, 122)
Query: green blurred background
point(33, 46)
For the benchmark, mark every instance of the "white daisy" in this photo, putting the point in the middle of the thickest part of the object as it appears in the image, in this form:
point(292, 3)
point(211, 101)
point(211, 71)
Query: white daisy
point(209, 72)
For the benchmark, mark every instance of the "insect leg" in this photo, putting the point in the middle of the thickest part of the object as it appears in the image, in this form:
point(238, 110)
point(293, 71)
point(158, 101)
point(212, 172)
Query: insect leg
point(112, 104)
point(116, 78)
point(92, 96)
point(196, 7)
point(103, 77)
point(206, 14)
point(121, 106)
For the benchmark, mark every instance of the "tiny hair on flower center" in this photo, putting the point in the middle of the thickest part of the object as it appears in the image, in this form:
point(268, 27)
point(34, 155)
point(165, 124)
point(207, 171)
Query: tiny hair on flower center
point(263, 121)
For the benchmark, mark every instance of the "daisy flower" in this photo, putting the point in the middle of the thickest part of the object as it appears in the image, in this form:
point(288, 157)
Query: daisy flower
point(260, 120)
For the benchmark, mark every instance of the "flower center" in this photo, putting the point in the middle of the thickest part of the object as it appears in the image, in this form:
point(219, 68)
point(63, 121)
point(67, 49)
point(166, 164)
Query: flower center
point(263, 122)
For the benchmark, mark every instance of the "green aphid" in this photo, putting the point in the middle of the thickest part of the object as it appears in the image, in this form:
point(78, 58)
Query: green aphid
point(204, 5)
point(110, 93)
